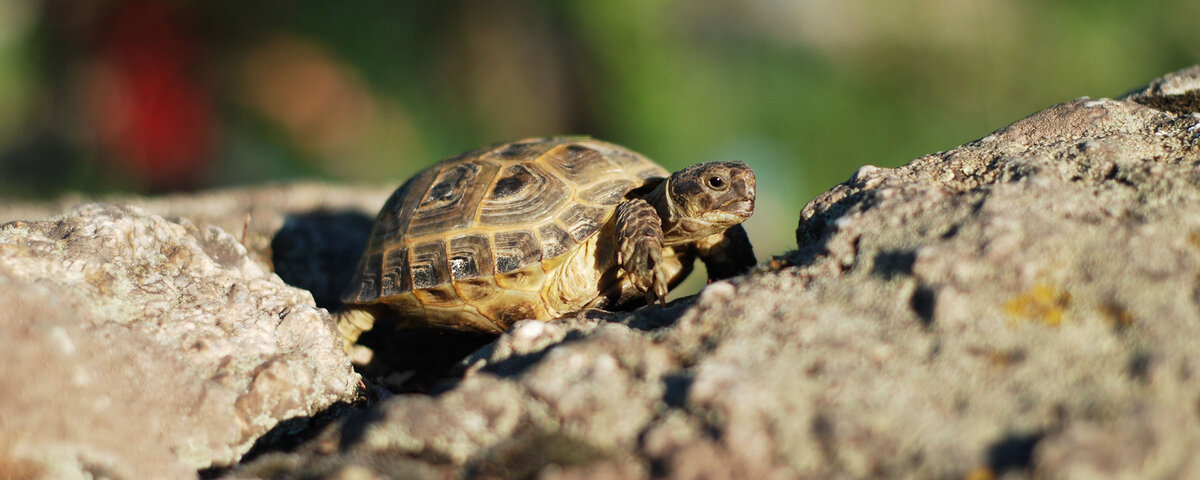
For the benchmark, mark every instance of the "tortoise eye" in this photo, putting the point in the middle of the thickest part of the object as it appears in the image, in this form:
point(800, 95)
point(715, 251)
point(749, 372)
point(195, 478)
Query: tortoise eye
point(715, 182)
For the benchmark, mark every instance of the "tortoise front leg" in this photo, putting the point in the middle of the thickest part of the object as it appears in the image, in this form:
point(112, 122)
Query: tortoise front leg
point(639, 248)
point(726, 254)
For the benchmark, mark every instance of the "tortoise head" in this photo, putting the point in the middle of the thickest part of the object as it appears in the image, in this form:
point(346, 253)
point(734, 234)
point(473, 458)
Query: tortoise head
point(707, 198)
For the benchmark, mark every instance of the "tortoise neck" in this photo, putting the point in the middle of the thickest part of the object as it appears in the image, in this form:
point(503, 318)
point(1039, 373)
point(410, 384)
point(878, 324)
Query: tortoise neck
point(675, 228)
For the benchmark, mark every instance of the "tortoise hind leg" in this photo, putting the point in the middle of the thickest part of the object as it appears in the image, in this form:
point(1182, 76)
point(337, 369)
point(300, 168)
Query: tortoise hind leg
point(640, 247)
point(353, 321)
point(726, 254)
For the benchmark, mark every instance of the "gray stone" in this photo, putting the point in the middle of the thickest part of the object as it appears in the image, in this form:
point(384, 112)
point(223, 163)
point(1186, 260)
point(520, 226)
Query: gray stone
point(1025, 305)
point(252, 215)
point(135, 347)
point(1004, 297)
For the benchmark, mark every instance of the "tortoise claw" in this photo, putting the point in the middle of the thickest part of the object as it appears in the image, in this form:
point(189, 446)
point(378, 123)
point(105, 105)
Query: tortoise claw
point(643, 266)
point(660, 286)
point(640, 249)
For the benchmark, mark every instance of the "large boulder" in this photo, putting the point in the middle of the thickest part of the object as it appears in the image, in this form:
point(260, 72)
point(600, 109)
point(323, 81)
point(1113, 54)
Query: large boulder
point(137, 347)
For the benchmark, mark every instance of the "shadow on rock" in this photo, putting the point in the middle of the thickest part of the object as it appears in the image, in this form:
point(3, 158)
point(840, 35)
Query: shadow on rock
point(1013, 453)
point(416, 361)
point(288, 436)
point(319, 250)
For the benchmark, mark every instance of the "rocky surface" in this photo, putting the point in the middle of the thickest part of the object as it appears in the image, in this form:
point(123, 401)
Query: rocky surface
point(252, 215)
point(136, 347)
point(1025, 305)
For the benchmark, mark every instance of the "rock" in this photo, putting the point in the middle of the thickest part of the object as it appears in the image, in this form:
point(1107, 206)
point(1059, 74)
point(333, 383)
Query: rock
point(1021, 306)
point(582, 404)
point(1178, 92)
point(1030, 286)
point(135, 347)
point(252, 215)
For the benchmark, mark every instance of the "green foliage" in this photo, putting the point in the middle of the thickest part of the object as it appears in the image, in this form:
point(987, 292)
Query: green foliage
point(806, 92)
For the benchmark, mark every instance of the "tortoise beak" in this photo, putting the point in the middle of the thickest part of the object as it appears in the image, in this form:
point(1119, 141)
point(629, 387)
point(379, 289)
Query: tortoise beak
point(741, 203)
point(742, 208)
point(733, 212)
point(737, 211)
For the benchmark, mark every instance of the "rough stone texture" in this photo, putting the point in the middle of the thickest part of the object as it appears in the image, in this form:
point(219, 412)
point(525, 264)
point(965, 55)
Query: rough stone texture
point(136, 347)
point(1025, 305)
point(1178, 92)
point(252, 215)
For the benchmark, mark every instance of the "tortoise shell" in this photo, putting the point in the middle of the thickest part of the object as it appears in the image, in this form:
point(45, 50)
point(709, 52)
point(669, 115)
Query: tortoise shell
point(500, 234)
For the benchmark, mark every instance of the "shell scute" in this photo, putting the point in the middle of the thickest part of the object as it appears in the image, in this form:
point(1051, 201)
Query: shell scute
point(523, 194)
point(515, 250)
point(582, 221)
point(450, 202)
point(652, 173)
point(368, 278)
point(470, 256)
point(609, 192)
point(579, 164)
point(527, 279)
point(476, 289)
point(428, 265)
point(555, 240)
point(439, 296)
point(397, 212)
point(523, 150)
point(395, 278)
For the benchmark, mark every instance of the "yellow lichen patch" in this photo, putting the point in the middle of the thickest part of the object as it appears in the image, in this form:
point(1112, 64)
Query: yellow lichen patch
point(1006, 358)
point(1118, 316)
point(102, 280)
point(998, 357)
point(1042, 303)
point(1194, 240)
point(981, 473)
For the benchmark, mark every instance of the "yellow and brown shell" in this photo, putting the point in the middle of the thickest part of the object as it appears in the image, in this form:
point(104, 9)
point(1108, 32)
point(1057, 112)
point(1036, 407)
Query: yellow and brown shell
point(479, 241)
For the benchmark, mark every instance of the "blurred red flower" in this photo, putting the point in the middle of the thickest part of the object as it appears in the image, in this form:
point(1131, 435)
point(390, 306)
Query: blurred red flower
point(144, 102)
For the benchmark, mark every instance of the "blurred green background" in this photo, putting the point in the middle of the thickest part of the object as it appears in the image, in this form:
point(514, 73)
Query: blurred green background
point(154, 96)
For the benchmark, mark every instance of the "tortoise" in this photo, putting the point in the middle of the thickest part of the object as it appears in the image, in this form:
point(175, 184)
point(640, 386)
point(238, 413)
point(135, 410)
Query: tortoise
point(540, 228)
